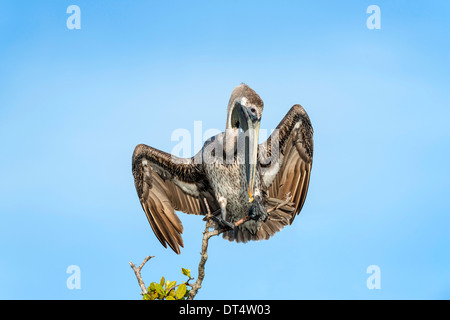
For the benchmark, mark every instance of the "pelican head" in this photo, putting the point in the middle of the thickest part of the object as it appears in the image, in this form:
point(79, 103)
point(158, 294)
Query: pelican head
point(244, 111)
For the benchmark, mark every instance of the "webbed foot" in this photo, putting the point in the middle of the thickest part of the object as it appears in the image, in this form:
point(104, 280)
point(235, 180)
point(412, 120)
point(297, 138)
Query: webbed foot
point(222, 223)
point(258, 210)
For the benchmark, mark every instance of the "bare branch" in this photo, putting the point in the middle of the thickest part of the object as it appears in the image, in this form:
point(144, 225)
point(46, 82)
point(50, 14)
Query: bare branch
point(204, 253)
point(137, 272)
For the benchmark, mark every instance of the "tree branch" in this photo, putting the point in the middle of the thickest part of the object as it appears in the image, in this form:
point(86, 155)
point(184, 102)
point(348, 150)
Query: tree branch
point(204, 253)
point(137, 272)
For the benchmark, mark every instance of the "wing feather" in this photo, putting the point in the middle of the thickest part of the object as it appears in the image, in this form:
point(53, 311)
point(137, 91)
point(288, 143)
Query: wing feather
point(165, 183)
point(294, 136)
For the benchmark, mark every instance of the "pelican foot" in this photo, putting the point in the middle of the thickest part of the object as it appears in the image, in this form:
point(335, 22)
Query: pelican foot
point(258, 210)
point(223, 224)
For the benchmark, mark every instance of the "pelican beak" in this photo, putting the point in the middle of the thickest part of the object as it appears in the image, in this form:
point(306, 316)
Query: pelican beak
point(250, 125)
point(252, 154)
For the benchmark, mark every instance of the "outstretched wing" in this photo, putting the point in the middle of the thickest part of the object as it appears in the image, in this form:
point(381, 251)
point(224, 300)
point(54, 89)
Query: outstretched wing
point(285, 167)
point(165, 183)
point(286, 159)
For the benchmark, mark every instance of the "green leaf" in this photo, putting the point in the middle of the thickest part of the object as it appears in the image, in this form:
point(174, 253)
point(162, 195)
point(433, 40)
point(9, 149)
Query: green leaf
point(170, 298)
point(162, 281)
point(153, 295)
point(186, 272)
point(170, 284)
point(181, 291)
point(151, 287)
point(146, 297)
point(159, 289)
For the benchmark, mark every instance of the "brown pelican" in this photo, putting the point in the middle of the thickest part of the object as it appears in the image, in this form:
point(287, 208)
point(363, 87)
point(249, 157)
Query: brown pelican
point(235, 176)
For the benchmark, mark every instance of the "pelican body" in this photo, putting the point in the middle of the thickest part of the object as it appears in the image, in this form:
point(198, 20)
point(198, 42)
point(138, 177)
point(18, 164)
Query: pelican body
point(235, 175)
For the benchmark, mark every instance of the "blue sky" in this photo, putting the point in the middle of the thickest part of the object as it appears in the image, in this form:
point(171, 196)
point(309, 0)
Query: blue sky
point(75, 103)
